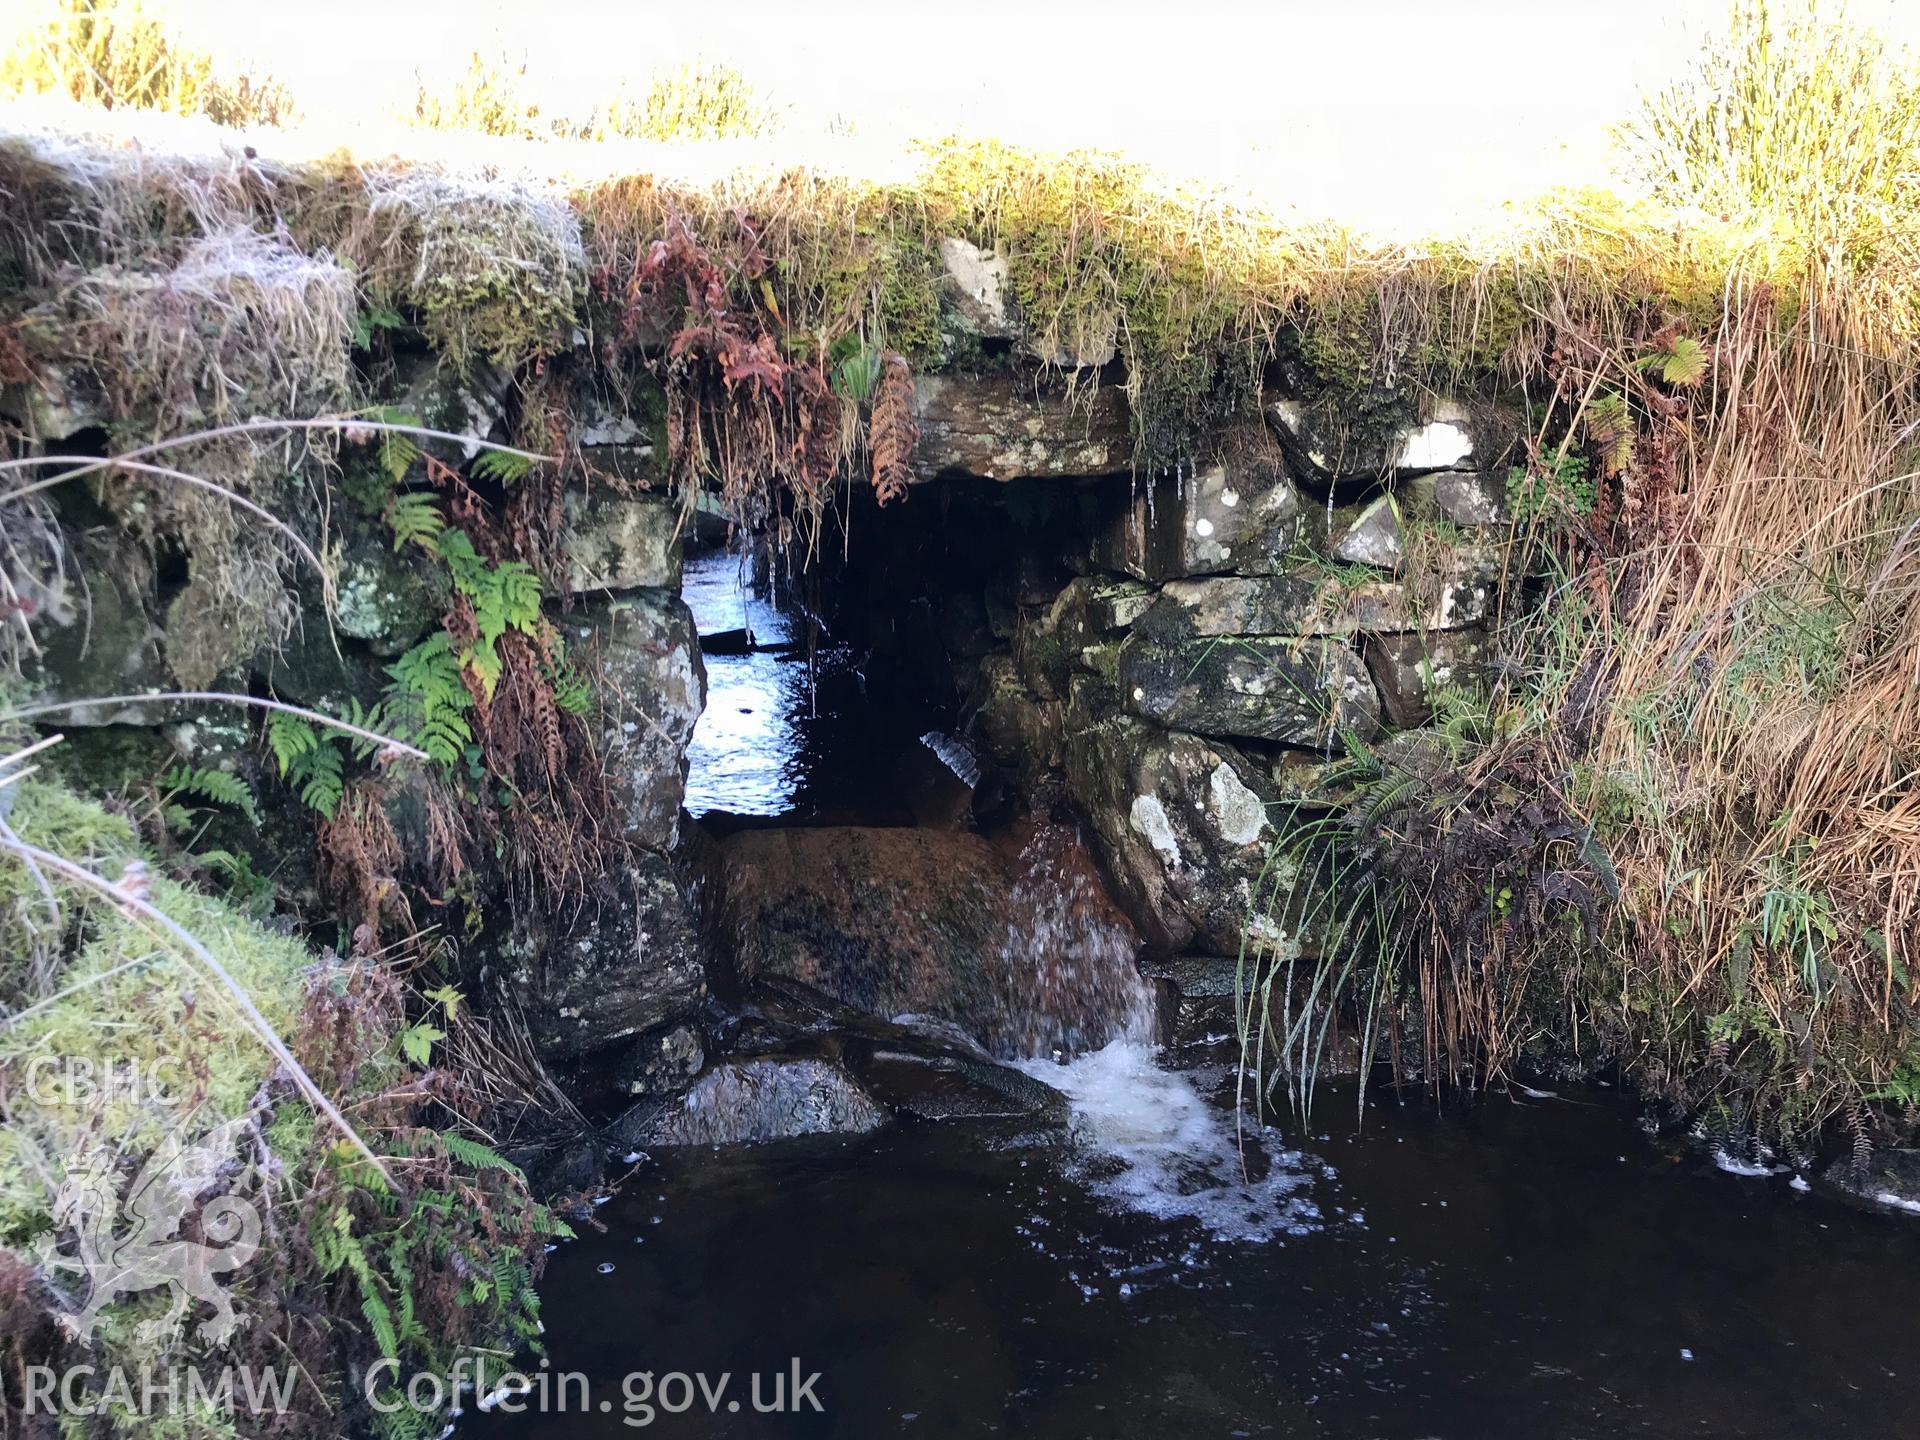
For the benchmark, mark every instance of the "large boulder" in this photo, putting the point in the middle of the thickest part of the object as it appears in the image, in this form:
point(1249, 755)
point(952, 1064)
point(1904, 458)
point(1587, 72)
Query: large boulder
point(1295, 690)
point(629, 962)
point(1240, 515)
point(621, 542)
point(1184, 827)
point(895, 922)
point(1005, 428)
point(643, 653)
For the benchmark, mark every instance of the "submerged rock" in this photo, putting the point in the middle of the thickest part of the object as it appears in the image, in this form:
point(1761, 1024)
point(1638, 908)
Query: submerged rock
point(1294, 690)
point(741, 1102)
point(1885, 1177)
point(959, 1087)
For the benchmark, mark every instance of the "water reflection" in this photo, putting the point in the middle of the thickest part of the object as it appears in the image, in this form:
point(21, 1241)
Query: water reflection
point(788, 733)
point(745, 753)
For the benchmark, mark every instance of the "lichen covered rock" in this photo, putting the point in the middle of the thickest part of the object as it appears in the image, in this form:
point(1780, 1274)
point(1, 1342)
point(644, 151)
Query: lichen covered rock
point(643, 653)
point(1408, 667)
point(1002, 428)
point(385, 599)
point(1019, 727)
point(1296, 690)
point(1183, 826)
point(745, 1102)
point(1336, 440)
point(1371, 536)
point(621, 542)
point(1308, 602)
point(630, 961)
point(1240, 515)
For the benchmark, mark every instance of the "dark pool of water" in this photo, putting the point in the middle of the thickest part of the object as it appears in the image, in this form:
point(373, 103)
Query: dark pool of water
point(1533, 1269)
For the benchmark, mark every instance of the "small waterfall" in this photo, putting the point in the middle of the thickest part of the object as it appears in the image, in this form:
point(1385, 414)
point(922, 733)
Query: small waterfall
point(1150, 1142)
point(1068, 956)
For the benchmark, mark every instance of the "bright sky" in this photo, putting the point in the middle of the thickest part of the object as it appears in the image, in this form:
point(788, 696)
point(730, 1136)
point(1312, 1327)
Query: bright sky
point(1371, 110)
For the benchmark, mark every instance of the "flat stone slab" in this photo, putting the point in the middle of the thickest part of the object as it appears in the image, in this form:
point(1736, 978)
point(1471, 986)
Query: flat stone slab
point(1295, 690)
point(1001, 428)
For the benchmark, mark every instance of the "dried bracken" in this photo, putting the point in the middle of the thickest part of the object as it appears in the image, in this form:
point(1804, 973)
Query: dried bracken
point(893, 431)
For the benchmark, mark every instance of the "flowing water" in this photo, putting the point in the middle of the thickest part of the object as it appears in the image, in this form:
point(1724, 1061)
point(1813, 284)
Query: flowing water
point(1536, 1267)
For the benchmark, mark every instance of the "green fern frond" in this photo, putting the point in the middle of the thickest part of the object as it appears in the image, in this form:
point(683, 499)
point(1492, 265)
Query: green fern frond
point(474, 1155)
point(318, 776)
point(1681, 366)
point(1610, 427)
point(519, 593)
point(500, 468)
point(217, 786)
point(416, 519)
point(290, 737)
point(398, 452)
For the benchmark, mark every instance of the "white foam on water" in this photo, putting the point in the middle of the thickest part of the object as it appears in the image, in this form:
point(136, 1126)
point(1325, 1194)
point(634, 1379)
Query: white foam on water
point(1899, 1202)
point(1155, 1146)
point(1733, 1165)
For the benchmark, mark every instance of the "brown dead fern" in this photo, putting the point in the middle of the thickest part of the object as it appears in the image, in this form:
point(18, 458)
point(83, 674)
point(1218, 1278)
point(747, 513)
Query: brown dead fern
point(893, 430)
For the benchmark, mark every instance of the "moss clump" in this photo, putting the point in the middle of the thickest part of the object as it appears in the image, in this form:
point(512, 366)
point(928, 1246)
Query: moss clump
point(494, 269)
point(138, 1067)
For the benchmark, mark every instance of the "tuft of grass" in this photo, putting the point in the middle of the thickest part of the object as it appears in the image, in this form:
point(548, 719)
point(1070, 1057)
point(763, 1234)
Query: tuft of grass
point(115, 54)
